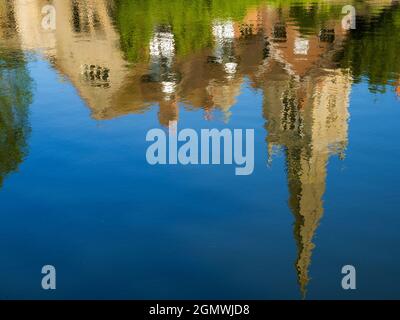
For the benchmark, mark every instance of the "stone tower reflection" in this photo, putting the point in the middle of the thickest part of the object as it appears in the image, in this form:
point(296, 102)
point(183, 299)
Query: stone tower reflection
point(309, 119)
point(16, 94)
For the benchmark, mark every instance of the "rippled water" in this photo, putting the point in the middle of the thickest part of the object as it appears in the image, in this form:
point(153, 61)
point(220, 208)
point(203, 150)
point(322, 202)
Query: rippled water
point(81, 84)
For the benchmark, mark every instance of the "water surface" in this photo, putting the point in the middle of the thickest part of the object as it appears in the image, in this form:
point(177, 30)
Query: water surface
point(77, 99)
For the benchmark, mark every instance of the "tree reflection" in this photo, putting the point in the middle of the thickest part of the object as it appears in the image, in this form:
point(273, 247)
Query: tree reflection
point(199, 54)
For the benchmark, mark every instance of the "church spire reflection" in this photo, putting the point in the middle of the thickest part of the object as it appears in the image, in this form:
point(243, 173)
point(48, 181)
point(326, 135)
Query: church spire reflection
point(309, 119)
point(15, 96)
point(122, 65)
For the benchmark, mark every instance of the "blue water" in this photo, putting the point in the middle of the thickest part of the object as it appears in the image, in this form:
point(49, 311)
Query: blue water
point(86, 201)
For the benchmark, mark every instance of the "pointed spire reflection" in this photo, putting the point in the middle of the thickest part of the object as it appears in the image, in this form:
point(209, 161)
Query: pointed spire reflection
point(15, 96)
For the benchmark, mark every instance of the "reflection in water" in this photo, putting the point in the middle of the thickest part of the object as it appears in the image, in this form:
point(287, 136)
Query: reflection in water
point(15, 98)
point(15, 95)
point(306, 109)
point(124, 57)
point(377, 36)
point(7, 21)
point(162, 55)
point(309, 119)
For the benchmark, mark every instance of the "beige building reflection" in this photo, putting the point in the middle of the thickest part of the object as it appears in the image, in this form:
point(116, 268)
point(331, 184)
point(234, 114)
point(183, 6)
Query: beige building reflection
point(82, 47)
point(8, 25)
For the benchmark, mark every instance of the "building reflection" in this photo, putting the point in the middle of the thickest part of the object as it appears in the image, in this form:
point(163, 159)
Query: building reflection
point(306, 95)
point(306, 103)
